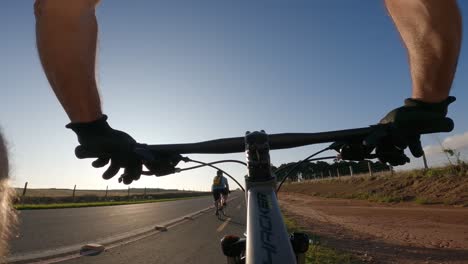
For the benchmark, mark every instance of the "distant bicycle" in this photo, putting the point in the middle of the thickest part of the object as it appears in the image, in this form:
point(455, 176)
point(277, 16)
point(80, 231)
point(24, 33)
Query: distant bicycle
point(220, 205)
point(220, 190)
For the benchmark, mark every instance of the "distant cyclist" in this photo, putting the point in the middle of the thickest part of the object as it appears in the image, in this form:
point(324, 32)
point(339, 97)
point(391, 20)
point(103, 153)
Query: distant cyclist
point(219, 187)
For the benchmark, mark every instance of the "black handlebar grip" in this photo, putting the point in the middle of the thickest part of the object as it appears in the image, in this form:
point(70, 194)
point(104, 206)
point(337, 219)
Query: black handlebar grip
point(424, 127)
point(435, 126)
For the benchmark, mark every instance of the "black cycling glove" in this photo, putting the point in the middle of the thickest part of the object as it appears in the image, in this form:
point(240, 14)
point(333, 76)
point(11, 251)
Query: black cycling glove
point(98, 140)
point(407, 120)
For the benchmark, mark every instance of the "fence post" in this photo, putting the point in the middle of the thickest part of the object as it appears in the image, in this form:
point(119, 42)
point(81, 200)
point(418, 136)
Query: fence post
point(329, 173)
point(73, 195)
point(338, 172)
point(24, 192)
point(425, 161)
point(128, 193)
point(351, 170)
point(370, 168)
point(24, 189)
point(144, 193)
point(107, 189)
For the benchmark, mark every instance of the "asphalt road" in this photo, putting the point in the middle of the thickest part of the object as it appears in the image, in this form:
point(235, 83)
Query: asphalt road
point(194, 241)
point(42, 230)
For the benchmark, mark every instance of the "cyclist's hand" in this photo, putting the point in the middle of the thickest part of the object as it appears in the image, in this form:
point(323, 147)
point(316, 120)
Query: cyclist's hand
point(407, 120)
point(98, 140)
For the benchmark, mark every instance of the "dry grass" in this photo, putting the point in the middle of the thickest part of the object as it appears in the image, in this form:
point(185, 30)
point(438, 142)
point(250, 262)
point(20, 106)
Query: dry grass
point(56, 197)
point(444, 185)
point(68, 192)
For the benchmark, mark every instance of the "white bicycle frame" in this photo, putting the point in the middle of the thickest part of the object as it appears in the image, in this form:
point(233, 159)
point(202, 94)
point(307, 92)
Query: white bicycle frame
point(267, 238)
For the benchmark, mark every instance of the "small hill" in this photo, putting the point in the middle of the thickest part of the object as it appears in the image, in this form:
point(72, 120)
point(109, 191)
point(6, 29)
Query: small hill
point(446, 185)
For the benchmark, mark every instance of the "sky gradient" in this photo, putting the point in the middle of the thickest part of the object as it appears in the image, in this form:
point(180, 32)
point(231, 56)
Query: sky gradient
point(182, 71)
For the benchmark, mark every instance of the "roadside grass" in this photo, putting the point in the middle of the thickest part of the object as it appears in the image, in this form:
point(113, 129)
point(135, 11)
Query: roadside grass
point(423, 200)
point(373, 197)
point(446, 185)
point(93, 204)
point(319, 253)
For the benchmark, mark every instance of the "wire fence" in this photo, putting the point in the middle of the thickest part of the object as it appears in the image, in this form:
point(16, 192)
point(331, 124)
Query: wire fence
point(324, 170)
point(28, 195)
point(356, 169)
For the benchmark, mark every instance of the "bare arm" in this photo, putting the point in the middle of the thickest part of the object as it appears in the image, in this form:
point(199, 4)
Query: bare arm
point(431, 31)
point(66, 34)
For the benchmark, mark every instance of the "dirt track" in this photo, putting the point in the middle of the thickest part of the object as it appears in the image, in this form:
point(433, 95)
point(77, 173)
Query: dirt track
point(384, 233)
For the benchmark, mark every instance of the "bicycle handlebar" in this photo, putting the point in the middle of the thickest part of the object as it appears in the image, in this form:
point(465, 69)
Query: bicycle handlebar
point(292, 140)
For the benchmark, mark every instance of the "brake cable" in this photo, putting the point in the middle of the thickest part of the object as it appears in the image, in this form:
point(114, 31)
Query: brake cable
point(214, 162)
point(214, 167)
point(309, 160)
point(298, 164)
point(289, 173)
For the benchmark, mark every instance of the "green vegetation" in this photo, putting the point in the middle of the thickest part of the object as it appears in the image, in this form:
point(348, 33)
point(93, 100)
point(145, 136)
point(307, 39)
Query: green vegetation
point(92, 204)
point(318, 253)
point(375, 198)
point(423, 200)
point(43, 197)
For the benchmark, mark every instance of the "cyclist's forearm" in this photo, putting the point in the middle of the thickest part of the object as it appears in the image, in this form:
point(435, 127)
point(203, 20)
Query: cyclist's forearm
point(66, 34)
point(431, 32)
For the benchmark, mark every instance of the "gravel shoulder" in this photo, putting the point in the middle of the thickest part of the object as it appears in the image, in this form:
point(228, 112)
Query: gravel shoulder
point(384, 233)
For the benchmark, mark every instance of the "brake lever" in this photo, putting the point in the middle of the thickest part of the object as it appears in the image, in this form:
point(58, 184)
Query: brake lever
point(337, 146)
point(361, 149)
point(158, 164)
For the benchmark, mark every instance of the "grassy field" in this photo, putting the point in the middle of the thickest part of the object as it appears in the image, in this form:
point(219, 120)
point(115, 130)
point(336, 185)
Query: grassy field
point(318, 253)
point(53, 192)
point(446, 185)
point(91, 204)
point(63, 198)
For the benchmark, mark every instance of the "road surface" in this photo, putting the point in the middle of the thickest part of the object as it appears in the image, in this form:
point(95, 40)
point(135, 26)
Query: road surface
point(42, 230)
point(195, 241)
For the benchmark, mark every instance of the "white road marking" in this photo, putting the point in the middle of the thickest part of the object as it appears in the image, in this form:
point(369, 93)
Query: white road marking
point(223, 225)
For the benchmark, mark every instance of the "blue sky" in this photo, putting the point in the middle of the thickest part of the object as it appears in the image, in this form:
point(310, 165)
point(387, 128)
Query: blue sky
point(181, 71)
